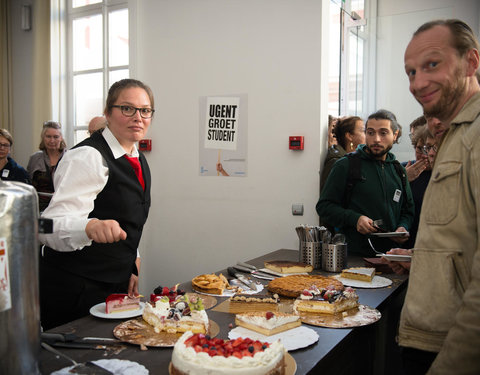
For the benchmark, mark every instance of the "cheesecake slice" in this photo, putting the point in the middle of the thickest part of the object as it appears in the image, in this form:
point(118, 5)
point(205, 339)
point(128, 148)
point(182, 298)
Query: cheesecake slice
point(359, 273)
point(267, 323)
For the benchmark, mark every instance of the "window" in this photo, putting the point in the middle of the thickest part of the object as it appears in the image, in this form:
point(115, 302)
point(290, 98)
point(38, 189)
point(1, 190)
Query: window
point(348, 51)
point(97, 56)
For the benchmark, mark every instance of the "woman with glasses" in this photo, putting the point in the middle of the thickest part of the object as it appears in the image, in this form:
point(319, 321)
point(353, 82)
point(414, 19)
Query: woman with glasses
point(100, 205)
point(42, 164)
point(9, 169)
point(425, 150)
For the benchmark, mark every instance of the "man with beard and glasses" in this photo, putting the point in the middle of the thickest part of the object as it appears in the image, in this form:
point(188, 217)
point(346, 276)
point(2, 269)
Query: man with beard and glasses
point(440, 321)
point(382, 193)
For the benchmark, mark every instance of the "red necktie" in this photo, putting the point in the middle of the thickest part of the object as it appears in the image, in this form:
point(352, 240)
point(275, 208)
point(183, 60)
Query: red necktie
point(135, 163)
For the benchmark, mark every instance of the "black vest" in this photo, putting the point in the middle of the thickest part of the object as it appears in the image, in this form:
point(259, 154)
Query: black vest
point(123, 200)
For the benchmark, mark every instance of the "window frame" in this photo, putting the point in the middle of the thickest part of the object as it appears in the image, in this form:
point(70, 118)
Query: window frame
point(103, 8)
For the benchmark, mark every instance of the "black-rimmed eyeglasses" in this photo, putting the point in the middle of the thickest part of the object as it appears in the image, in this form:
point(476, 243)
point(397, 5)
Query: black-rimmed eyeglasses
point(129, 111)
point(5, 145)
point(426, 149)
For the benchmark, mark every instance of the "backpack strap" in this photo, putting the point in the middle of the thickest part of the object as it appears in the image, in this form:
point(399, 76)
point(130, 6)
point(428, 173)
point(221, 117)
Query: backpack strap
point(401, 173)
point(354, 175)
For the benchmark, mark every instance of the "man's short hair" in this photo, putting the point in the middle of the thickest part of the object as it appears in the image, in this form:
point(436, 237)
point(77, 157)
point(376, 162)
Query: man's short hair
point(463, 37)
point(383, 114)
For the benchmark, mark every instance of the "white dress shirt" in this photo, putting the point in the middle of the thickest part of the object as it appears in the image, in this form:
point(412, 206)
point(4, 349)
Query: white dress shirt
point(80, 177)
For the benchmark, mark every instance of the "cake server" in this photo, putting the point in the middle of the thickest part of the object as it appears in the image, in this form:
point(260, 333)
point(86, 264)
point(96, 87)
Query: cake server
point(254, 270)
point(244, 280)
point(87, 368)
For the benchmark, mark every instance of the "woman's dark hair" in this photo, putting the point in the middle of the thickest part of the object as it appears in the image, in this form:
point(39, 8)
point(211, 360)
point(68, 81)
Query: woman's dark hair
point(119, 86)
point(345, 125)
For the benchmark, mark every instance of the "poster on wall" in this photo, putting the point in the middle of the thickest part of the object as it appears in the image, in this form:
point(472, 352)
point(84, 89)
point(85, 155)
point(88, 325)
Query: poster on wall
point(223, 136)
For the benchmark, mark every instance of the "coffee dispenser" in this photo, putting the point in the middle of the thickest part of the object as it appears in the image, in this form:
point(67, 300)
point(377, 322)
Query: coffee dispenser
point(19, 296)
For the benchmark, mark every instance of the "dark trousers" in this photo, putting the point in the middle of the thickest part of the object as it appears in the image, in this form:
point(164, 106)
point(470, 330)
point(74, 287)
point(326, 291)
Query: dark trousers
point(416, 361)
point(65, 296)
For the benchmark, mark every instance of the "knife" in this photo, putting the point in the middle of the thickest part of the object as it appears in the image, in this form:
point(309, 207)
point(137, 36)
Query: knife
point(256, 273)
point(59, 337)
point(244, 280)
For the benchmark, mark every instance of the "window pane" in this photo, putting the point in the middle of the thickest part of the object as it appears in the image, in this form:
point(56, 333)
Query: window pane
point(117, 75)
point(355, 70)
point(81, 3)
point(334, 61)
point(88, 97)
point(118, 37)
point(87, 43)
point(80, 135)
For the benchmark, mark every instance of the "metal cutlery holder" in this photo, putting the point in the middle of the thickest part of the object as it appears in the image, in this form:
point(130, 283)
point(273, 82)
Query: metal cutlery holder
point(311, 253)
point(334, 257)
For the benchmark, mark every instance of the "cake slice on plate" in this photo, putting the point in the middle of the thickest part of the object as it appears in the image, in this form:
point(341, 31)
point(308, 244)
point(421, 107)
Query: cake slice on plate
point(267, 323)
point(287, 266)
point(326, 300)
point(116, 303)
point(359, 273)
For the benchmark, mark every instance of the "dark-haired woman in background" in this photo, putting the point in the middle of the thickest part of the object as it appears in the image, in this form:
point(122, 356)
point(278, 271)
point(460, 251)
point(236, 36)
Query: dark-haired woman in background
point(42, 164)
point(349, 133)
point(9, 169)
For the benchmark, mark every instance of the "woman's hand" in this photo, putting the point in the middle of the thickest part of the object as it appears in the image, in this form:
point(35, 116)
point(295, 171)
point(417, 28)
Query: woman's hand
point(105, 231)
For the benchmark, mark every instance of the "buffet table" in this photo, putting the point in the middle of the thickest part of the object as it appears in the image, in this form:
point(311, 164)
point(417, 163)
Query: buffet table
point(369, 349)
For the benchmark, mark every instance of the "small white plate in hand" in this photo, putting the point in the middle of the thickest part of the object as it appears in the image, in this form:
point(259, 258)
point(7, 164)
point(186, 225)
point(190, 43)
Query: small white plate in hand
point(99, 311)
point(389, 234)
point(396, 257)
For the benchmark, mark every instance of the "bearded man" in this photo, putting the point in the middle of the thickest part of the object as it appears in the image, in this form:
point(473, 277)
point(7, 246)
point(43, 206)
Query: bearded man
point(381, 193)
point(440, 322)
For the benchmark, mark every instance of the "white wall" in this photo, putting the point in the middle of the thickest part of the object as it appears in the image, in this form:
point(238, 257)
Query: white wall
point(268, 50)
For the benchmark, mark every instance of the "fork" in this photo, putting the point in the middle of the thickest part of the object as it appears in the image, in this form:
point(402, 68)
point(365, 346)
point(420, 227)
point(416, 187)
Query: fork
point(373, 248)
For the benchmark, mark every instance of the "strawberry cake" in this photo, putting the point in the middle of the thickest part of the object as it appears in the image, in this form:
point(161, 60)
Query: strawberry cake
point(116, 303)
point(199, 354)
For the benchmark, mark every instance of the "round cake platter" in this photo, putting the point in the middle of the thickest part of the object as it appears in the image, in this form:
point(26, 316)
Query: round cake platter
point(138, 331)
point(357, 317)
point(290, 365)
point(208, 301)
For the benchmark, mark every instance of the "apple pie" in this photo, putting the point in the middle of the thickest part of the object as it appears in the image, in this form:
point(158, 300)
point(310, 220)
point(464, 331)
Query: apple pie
point(210, 283)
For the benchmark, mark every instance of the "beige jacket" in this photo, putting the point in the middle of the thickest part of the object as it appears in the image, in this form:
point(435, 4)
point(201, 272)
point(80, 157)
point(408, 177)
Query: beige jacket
point(442, 307)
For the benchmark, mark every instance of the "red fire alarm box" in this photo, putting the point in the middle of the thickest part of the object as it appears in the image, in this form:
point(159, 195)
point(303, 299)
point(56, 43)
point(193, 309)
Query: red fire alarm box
point(295, 142)
point(145, 145)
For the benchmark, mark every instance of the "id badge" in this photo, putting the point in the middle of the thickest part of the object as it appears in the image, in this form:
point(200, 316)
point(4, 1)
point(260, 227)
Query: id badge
point(5, 173)
point(397, 195)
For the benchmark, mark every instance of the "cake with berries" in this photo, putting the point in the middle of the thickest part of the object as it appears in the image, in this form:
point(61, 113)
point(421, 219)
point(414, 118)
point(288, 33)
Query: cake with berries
point(116, 303)
point(181, 315)
point(359, 273)
point(327, 300)
point(267, 323)
point(161, 291)
point(199, 354)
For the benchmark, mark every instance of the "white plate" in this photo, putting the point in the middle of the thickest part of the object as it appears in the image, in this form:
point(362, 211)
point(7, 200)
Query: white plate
point(116, 366)
point(229, 293)
point(396, 257)
point(377, 282)
point(295, 338)
point(389, 234)
point(99, 311)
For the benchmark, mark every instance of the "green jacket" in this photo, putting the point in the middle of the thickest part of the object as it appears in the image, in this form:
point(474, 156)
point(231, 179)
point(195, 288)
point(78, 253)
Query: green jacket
point(441, 312)
point(334, 153)
point(372, 197)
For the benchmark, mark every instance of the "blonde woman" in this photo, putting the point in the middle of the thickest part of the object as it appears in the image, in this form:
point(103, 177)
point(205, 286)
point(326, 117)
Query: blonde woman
point(42, 164)
point(9, 169)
